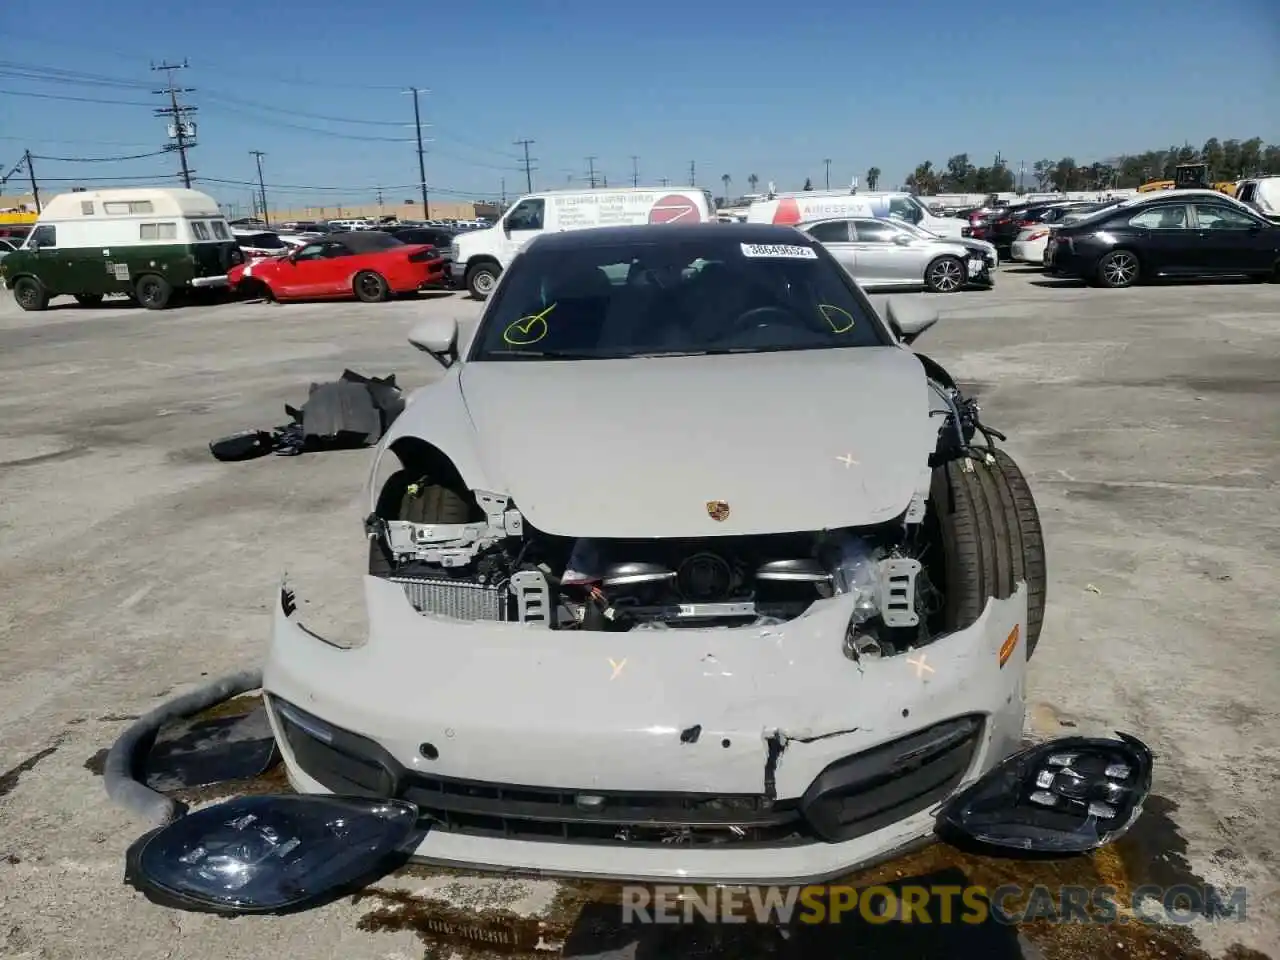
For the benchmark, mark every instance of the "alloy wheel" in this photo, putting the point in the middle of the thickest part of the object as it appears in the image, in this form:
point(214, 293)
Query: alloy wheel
point(1120, 270)
point(947, 276)
point(370, 286)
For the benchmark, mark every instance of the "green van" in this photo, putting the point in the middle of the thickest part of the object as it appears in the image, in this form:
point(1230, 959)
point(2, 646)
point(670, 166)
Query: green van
point(145, 242)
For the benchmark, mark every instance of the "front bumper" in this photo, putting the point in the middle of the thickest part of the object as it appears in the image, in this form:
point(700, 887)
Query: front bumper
point(204, 282)
point(457, 271)
point(518, 743)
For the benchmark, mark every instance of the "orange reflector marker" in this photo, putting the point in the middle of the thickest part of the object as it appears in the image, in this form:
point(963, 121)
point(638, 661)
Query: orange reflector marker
point(1010, 644)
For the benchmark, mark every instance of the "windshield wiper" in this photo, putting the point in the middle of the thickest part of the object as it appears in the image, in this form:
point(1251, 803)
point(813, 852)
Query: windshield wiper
point(700, 352)
point(546, 354)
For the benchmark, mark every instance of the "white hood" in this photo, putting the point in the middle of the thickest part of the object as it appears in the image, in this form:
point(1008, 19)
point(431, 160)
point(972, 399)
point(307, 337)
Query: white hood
point(637, 448)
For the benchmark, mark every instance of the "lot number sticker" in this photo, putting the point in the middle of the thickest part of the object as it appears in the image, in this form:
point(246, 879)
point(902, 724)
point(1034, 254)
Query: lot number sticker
point(783, 251)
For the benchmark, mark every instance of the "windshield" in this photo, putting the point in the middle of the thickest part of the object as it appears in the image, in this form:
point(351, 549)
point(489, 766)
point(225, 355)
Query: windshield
point(700, 294)
point(261, 241)
point(915, 231)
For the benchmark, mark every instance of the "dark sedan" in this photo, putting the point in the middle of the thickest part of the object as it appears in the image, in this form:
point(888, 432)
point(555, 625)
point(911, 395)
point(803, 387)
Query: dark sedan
point(439, 237)
point(1174, 234)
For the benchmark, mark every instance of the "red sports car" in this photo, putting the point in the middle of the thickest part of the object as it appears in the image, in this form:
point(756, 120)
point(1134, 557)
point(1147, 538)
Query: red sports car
point(367, 265)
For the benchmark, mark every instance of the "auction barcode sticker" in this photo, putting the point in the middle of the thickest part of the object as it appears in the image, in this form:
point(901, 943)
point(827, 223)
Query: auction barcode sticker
point(785, 251)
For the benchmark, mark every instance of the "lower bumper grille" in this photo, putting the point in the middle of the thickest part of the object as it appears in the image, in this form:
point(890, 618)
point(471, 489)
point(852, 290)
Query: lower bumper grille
point(852, 797)
point(868, 791)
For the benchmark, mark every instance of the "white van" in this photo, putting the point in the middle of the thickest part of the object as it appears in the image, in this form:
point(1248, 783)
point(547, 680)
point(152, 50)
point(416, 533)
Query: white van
point(1263, 195)
point(810, 205)
point(480, 256)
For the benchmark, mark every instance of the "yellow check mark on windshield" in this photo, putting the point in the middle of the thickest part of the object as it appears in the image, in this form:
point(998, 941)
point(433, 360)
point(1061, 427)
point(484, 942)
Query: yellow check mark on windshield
point(527, 330)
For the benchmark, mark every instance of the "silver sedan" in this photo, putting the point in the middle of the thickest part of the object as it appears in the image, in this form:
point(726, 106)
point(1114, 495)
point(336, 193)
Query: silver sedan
point(886, 253)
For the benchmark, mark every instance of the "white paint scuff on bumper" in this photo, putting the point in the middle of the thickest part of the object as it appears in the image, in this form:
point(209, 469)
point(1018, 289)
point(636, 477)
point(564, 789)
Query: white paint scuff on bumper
point(583, 710)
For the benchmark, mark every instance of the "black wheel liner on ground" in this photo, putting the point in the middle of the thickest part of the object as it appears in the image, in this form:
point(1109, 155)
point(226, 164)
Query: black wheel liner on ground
point(991, 538)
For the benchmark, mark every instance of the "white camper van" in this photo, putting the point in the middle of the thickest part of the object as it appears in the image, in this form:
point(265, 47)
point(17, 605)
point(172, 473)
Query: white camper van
point(480, 256)
point(144, 242)
point(810, 205)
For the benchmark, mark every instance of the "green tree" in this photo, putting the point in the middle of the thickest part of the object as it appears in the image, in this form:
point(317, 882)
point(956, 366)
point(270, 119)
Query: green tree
point(808, 184)
point(873, 178)
point(1231, 159)
point(959, 174)
point(726, 180)
point(1271, 159)
point(1212, 154)
point(1063, 176)
point(1042, 170)
point(752, 181)
point(1251, 157)
point(923, 181)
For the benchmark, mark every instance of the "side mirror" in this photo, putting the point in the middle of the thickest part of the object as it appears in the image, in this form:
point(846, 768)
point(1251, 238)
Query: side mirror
point(909, 318)
point(437, 336)
point(902, 240)
point(506, 228)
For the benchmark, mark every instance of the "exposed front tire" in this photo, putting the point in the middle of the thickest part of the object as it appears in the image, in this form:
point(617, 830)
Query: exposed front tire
point(30, 294)
point(1119, 268)
point(407, 498)
point(153, 292)
point(89, 299)
point(481, 279)
point(945, 275)
point(991, 540)
point(370, 287)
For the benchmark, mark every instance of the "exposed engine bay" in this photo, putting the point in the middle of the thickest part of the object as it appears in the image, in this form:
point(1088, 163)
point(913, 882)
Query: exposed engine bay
point(496, 566)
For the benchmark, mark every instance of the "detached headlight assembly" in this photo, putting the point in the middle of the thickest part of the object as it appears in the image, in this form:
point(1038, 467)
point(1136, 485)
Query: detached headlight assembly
point(1065, 796)
point(271, 854)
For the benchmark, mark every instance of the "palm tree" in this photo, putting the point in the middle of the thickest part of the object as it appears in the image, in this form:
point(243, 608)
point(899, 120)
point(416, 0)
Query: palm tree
point(752, 181)
point(873, 177)
point(726, 179)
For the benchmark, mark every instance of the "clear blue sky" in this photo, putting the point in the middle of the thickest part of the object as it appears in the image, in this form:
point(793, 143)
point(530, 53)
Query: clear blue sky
point(740, 88)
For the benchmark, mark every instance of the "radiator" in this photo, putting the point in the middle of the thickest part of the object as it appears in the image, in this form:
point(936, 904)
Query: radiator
point(457, 598)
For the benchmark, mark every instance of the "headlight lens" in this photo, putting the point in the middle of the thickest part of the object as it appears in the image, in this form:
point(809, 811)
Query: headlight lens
point(269, 854)
point(1064, 796)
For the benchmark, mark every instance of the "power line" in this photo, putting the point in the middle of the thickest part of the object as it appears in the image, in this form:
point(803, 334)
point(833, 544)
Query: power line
point(133, 156)
point(54, 96)
point(178, 112)
point(528, 169)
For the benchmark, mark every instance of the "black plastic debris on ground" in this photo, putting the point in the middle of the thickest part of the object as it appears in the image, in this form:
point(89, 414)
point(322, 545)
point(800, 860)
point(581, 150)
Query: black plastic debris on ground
point(348, 413)
point(201, 751)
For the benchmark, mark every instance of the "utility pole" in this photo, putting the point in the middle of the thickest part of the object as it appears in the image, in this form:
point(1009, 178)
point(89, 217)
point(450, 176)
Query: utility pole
point(503, 204)
point(1022, 174)
point(422, 164)
point(664, 181)
point(262, 187)
point(693, 173)
point(591, 172)
point(635, 170)
point(31, 173)
point(178, 115)
point(528, 169)
point(827, 162)
point(379, 204)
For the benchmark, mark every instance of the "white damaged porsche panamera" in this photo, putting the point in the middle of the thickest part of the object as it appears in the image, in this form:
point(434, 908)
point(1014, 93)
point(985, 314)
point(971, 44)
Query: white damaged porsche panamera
point(687, 569)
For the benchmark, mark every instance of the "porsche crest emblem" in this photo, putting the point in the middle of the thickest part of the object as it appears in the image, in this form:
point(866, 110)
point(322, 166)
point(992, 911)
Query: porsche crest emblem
point(717, 510)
